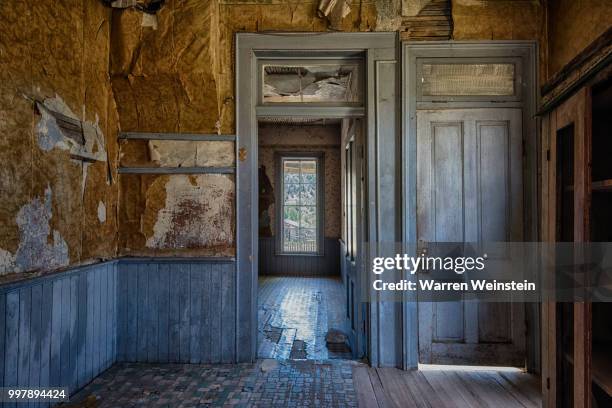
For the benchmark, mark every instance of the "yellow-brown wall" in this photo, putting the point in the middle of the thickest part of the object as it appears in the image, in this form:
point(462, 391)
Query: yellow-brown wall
point(572, 26)
point(54, 211)
point(107, 68)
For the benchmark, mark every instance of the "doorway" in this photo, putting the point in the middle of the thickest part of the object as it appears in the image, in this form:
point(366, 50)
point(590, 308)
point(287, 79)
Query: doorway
point(371, 61)
point(301, 304)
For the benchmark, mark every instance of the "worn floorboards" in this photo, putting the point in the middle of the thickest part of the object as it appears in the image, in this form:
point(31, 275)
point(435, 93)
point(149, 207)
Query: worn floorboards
point(444, 388)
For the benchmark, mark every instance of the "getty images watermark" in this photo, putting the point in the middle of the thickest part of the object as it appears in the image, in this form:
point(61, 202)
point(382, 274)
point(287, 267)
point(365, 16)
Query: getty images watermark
point(484, 271)
point(457, 265)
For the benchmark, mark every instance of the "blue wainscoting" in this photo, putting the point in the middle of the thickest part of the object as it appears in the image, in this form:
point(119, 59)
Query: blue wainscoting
point(64, 329)
point(270, 263)
point(177, 311)
point(60, 329)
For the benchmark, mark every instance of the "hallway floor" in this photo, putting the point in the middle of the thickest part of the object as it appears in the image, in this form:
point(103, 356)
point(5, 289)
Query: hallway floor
point(295, 315)
point(306, 383)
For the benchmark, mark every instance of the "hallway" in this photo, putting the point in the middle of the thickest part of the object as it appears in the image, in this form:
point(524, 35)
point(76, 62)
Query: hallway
point(296, 313)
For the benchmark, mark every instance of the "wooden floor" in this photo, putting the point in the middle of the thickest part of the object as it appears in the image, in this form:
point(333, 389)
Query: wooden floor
point(445, 388)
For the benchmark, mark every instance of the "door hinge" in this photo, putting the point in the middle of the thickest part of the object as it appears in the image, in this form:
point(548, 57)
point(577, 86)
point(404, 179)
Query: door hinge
point(548, 155)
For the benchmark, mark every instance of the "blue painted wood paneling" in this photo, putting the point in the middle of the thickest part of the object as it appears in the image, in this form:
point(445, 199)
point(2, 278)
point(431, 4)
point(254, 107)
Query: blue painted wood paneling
point(44, 339)
point(64, 329)
point(177, 311)
point(272, 264)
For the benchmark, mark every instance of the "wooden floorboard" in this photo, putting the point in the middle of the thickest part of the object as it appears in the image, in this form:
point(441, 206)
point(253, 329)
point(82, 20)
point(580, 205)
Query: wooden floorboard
point(396, 390)
point(445, 388)
point(363, 387)
point(382, 398)
point(447, 396)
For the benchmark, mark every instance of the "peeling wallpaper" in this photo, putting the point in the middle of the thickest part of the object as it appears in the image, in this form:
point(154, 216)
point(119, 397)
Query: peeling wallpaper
point(106, 69)
point(191, 215)
point(56, 53)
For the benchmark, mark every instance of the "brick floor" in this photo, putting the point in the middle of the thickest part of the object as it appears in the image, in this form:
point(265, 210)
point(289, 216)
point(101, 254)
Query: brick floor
point(268, 383)
point(296, 370)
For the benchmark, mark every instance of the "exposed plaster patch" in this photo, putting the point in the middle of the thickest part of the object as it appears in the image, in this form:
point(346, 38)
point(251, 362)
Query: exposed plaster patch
point(7, 262)
point(198, 212)
point(101, 212)
point(35, 250)
point(171, 153)
point(50, 134)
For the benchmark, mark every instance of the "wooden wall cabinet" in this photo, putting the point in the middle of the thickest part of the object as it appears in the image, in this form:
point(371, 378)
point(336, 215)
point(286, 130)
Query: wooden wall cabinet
point(576, 367)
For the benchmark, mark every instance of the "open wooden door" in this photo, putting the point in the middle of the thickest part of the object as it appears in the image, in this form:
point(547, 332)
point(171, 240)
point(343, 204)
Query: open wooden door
point(469, 189)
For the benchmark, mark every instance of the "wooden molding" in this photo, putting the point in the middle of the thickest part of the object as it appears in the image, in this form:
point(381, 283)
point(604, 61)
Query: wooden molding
point(581, 68)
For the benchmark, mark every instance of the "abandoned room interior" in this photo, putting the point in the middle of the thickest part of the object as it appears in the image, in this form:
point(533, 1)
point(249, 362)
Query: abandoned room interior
point(193, 193)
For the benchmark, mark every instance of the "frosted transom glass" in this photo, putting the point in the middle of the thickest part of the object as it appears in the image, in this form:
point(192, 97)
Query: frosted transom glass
point(467, 80)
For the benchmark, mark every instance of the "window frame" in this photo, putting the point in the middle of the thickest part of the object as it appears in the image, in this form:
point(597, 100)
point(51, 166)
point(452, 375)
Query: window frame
point(518, 79)
point(357, 61)
point(319, 157)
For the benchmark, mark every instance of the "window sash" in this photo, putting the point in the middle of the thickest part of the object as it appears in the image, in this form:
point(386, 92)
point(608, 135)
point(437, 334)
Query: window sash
point(300, 232)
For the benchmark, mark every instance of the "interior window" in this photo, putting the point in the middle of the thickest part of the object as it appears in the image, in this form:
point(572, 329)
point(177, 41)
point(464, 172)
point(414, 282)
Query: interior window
point(300, 206)
point(316, 83)
point(468, 79)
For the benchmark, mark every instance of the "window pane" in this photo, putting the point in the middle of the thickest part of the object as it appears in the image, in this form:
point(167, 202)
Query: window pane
point(291, 216)
point(309, 171)
point(291, 171)
point(308, 194)
point(291, 239)
point(308, 237)
point(292, 193)
point(308, 217)
point(467, 79)
point(311, 83)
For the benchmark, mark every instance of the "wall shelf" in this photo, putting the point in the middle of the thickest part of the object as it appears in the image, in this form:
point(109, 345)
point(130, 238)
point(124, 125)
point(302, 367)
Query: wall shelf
point(176, 170)
point(176, 136)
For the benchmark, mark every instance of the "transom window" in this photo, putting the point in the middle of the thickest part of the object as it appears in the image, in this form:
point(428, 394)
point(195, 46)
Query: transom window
point(300, 215)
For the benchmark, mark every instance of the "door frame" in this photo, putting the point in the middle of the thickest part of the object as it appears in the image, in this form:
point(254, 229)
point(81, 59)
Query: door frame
point(527, 51)
point(249, 47)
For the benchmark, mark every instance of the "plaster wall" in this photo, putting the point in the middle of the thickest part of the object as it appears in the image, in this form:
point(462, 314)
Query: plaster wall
point(55, 210)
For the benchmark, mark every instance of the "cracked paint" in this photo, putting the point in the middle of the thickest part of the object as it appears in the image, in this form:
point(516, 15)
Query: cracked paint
point(198, 212)
point(39, 247)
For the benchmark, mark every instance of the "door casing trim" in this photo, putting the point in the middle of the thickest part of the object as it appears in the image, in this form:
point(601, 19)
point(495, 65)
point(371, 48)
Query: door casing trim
point(250, 46)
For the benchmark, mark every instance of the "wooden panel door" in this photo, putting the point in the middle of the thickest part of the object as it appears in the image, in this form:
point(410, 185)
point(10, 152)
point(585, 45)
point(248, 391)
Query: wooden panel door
point(469, 189)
